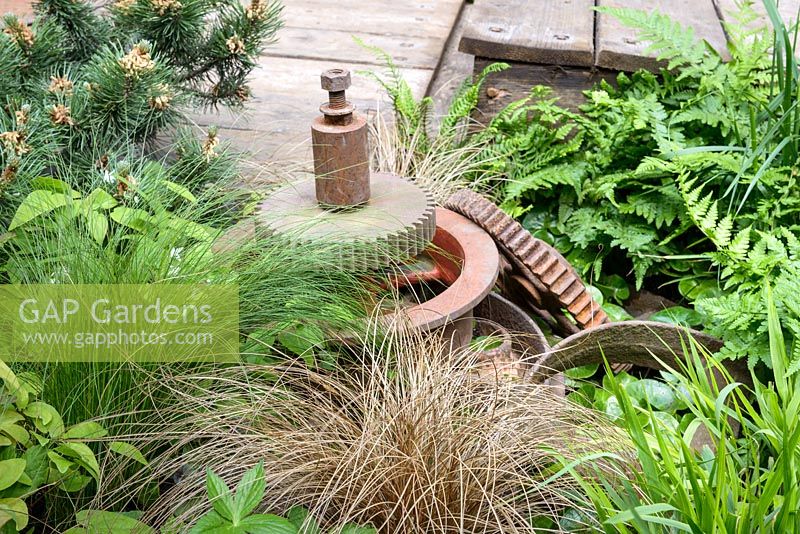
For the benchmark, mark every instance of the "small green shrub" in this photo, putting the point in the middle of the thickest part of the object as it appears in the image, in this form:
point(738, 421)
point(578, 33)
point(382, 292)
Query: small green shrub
point(39, 453)
point(743, 481)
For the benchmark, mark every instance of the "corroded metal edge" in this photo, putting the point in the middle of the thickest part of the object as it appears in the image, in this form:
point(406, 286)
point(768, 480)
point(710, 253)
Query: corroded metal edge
point(544, 264)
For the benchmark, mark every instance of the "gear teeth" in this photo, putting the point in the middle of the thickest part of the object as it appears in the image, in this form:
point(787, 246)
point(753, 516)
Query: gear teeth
point(543, 262)
point(405, 240)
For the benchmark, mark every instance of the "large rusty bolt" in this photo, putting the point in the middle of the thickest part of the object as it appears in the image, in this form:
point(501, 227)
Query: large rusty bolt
point(336, 82)
point(341, 151)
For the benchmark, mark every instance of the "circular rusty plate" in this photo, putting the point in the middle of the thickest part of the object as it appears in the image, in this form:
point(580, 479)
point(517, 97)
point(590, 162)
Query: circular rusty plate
point(461, 241)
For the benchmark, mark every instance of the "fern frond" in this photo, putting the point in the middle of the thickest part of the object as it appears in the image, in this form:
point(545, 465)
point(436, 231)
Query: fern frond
point(569, 174)
point(466, 99)
point(668, 39)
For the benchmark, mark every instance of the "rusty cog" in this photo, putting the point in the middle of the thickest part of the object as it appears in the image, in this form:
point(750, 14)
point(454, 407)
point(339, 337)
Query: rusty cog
point(539, 270)
point(398, 221)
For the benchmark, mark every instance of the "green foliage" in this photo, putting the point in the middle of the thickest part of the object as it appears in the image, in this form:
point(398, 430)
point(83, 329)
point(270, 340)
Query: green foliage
point(412, 117)
point(743, 481)
point(628, 169)
point(667, 402)
point(38, 452)
point(81, 86)
point(232, 511)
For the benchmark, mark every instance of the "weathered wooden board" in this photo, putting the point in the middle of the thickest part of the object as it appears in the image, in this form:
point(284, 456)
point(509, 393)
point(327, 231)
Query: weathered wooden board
point(568, 84)
point(619, 48)
point(787, 8)
point(403, 18)
point(308, 43)
point(286, 98)
point(558, 32)
point(318, 35)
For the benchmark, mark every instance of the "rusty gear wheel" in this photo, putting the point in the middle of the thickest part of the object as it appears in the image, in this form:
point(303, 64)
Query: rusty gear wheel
point(398, 221)
point(548, 279)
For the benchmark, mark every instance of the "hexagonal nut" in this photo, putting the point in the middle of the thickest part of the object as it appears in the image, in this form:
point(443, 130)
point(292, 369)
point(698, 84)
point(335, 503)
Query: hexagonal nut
point(335, 79)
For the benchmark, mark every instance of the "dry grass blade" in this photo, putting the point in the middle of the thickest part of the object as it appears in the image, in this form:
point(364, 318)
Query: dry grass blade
point(408, 438)
point(442, 168)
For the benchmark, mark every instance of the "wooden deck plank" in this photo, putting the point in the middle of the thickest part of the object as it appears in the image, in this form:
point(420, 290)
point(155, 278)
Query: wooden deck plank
point(384, 17)
point(317, 36)
point(286, 98)
point(558, 32)
point(330, 45)
point(787, 8)
point(618, 46)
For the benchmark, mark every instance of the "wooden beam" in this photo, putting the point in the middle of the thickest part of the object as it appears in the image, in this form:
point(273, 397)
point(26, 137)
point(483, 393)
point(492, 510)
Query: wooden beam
point(567, 83)
point(557, 32)
point(619, 47)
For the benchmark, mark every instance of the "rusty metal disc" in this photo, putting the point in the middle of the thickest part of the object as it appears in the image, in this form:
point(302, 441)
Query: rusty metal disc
point(398, 221)
point(557, 285)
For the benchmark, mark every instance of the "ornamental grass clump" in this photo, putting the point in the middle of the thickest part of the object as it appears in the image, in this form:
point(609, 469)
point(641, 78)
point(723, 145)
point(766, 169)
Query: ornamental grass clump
point(406, 437)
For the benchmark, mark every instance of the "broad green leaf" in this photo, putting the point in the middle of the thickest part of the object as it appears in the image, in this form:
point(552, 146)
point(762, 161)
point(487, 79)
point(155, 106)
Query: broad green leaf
point(572, 520)
point(97, 224)
point(126, 449)
point(677, 315)
point(136, 219)
point(191, 229)
point(99, 200)
point(74, 482)
point(268, 524)
point(36, 204)
point(250, 490)
point(695, 289)
point(51, 184)
point(667, 420)
point(301, 339)
point(13, 385)
point(62, 464)
point(212, 523)
point(597, 295)
point(85, 430)
point(37, 465)
point(614, 287)
point(10, 471)
point(14, 510)
point(300, 517)
point(661, 396)
point(613, 408)
point(584, 371)
point(219, 495)
point(46, 418)
point(15, 432)
point(102, 522)
point(82, 455)
point(616, 313)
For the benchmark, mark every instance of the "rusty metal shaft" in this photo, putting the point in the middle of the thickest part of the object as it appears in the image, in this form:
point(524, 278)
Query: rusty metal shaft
point(341, 148)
